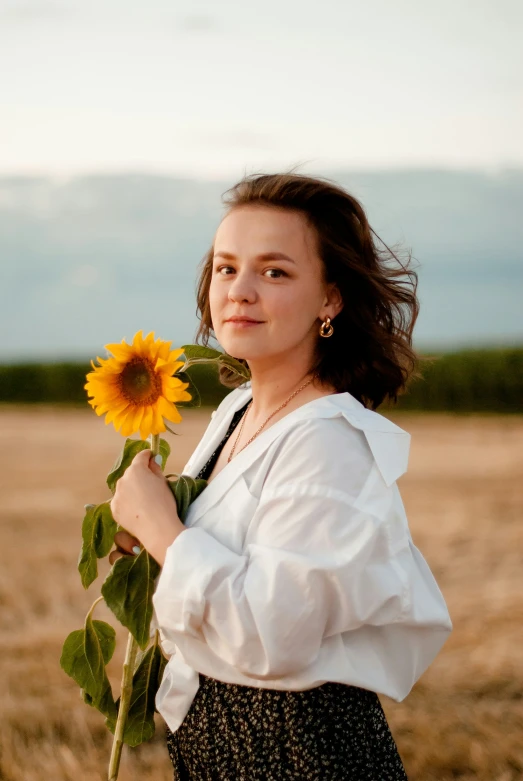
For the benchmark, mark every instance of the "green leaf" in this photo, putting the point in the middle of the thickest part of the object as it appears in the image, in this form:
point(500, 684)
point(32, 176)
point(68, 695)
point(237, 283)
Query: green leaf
point(84, 655)
point(139, 725)
point(185, 490)
point(105, 529)
point(128, 590)
point(98, 530)
point(196, 400)
point(236, 366)
point(197, 351)
point(131, 448)
point(86, 698)
point(165, 451)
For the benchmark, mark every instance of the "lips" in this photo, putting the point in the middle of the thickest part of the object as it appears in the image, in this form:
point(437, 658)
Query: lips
point(242, 320)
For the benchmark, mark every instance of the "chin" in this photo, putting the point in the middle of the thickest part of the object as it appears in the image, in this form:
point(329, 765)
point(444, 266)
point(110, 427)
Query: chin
point(240, 351)
point(237, 353)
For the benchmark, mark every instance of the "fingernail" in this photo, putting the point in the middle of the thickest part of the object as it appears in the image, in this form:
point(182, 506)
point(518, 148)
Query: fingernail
point(137, 549)
point(158, 459)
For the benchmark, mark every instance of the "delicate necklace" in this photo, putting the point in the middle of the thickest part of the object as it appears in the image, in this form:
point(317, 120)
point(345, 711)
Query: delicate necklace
point(270, 416)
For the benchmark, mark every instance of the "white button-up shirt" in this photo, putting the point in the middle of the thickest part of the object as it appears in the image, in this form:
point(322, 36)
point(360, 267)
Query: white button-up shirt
point(297, 566)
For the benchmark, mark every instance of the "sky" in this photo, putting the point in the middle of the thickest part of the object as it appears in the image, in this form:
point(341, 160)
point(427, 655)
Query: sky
point(217, 89)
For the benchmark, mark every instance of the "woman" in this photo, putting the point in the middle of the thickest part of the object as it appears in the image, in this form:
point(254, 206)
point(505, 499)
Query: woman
point(293, 594)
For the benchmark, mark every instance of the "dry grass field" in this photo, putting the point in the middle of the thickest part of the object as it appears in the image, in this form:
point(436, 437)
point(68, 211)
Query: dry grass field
point(464, 497)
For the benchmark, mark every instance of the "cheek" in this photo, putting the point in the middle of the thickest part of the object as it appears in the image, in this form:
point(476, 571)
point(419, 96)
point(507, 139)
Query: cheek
point(215, 296)
point(218, 304)
point(288, 302)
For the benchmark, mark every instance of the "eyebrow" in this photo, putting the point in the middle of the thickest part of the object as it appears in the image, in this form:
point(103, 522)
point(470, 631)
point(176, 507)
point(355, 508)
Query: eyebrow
point(263, 256)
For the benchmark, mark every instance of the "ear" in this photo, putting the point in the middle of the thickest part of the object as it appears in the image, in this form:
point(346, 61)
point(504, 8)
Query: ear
point(333, 299)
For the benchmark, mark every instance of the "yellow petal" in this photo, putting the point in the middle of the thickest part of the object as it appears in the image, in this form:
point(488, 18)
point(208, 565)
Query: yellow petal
point(158, 425)
point(137, 417)
point(179, 387)
point(167, 368)
point(146, 344)
point(127, 426)
point(168, 410)
point(107, 365)
point(177, 395)
point(174, 354)
point(171, 358)
point(137, 343)
point(115, 411)
point(174, 383)
point(101, 361)
point(164, 349)
point(112, 371)
point(166, 385)
point(120, 418)
point(122, 352)
point(170, 382)
point(106, 400)
point(108, 387)
point(147, 421)
point(101, 409)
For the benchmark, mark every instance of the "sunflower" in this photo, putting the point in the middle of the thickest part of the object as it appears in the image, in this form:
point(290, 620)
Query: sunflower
point(135, 388)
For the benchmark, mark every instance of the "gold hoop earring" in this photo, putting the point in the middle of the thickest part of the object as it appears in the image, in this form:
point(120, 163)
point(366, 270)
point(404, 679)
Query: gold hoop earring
point(326, 324)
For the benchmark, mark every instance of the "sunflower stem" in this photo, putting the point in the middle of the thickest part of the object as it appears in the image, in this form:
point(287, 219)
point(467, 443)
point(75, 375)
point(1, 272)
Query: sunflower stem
point(155, 444)
point(126, 688)
point(125, 700)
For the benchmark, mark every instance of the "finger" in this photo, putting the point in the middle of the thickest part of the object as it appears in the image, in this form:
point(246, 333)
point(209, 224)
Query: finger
point(155, 467)
point(145, 459)
point(142, 458)
point(126, 541)
point(117, 554)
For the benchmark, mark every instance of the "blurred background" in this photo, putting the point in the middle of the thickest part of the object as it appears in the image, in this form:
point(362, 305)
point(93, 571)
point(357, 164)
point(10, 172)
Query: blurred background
point(121, 126)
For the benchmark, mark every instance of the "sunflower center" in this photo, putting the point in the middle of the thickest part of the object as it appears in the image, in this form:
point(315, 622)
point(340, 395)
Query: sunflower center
point(139, 382)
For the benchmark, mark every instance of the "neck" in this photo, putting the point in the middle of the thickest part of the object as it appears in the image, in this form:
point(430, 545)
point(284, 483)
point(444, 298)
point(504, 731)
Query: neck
point(273, 384)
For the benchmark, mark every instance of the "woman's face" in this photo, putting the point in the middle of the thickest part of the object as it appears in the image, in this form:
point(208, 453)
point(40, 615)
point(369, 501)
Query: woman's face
point(266, 266)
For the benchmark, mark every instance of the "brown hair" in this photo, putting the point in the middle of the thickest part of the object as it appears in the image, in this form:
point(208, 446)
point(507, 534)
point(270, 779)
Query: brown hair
point(370, 353)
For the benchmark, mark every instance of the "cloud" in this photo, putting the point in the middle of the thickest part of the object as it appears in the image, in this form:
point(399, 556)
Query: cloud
point(198, 23)
point(31, 10)
point(84, 276)
point(239, 138)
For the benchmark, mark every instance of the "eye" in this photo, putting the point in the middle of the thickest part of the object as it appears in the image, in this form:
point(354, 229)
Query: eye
point(278, 271)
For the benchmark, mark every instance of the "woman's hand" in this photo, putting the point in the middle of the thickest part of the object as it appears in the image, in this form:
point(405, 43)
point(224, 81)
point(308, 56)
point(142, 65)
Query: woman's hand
point(145, 506)
point(126, 545)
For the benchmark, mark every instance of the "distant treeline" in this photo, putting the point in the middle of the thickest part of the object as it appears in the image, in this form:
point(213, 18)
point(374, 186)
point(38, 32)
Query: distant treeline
point(489, 380)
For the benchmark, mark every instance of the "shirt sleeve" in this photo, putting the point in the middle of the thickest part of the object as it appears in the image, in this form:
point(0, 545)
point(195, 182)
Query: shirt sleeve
point(327, 551)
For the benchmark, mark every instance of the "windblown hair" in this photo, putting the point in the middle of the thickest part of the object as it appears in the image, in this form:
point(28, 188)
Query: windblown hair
point(370, 353)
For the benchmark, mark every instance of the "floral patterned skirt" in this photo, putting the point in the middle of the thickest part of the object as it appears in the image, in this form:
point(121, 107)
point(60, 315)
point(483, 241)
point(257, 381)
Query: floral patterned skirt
point(333, 732)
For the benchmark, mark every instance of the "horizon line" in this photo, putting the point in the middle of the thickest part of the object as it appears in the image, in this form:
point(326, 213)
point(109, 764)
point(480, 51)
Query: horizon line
point(153, 172)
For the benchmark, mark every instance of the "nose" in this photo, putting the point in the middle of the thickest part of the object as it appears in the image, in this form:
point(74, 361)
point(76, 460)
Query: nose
point(242, 288)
